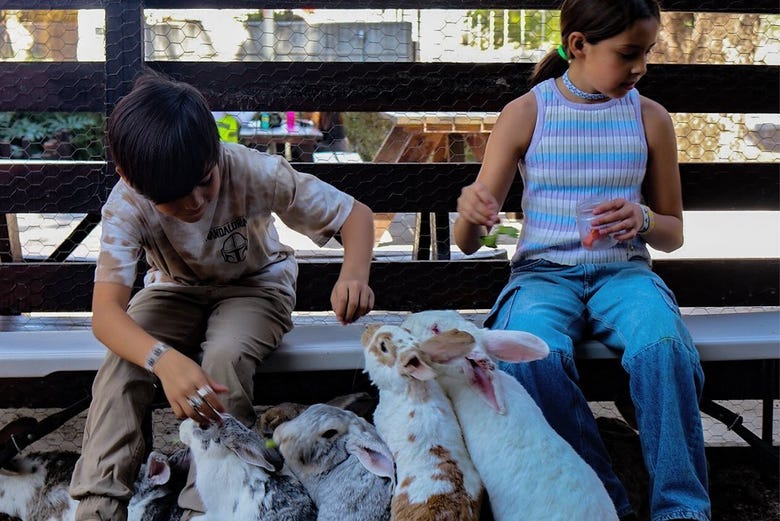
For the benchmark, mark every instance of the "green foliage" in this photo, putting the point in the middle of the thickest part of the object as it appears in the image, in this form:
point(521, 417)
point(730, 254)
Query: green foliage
point(28, 131)
point(527, 28)
point(491, 240)
point(366, 132)
point(279, 16)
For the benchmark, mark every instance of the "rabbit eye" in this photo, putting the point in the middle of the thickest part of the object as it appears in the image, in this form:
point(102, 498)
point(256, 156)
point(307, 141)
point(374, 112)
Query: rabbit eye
point(328, 434)
point(383, 347)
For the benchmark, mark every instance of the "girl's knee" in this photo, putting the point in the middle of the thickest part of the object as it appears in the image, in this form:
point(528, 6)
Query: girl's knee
point(557, 364)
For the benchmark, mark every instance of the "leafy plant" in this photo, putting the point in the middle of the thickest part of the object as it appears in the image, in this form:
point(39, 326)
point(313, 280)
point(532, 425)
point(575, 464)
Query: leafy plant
point(366, 132)
point(279, 16)
point(29, 132)
point(491, 240)
point(528, 28)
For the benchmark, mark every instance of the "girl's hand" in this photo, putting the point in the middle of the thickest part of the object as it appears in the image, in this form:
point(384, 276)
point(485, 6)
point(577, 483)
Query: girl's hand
point(476, 205)
point(351, 299)
point(623, 218)
point(189, 390)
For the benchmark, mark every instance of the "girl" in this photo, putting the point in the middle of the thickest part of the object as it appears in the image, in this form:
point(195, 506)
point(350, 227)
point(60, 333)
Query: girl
point(583, 131)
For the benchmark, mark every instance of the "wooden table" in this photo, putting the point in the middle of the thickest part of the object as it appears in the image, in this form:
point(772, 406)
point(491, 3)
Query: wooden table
point(435, 136)
point(304, 138)
point(422, 137)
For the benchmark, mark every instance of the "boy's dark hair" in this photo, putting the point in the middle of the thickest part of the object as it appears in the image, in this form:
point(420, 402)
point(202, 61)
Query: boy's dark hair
point(597, 20)
point(164, 137)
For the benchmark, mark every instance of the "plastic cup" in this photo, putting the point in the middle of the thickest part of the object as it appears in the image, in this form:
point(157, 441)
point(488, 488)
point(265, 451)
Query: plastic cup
point(590, 237)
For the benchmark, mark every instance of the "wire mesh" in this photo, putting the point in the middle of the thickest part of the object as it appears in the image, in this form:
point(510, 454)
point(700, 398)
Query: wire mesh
point(47, 38)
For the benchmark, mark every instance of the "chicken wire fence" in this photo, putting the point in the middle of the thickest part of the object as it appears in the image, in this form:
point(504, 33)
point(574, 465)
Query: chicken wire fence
point(470, 36)
point(355, 36)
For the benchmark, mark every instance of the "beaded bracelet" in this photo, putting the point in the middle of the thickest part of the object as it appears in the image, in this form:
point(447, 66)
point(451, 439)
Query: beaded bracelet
point(154, 355)
point(648, 220)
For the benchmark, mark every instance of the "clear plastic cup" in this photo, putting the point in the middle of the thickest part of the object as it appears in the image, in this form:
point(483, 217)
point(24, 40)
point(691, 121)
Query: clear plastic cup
point(590, 237)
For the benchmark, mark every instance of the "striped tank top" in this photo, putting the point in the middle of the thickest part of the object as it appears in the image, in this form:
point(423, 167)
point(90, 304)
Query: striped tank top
point(579, 151)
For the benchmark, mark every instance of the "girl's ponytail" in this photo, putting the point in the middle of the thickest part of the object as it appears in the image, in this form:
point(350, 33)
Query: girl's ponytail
point(551, 65)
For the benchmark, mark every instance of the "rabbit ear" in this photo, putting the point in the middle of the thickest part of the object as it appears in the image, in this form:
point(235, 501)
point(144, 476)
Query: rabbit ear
point(371, 451)
point(249, 446)
point(480, 372)
point(368, 333)
point(414, 366)
point(258, 455)
point(157, 469)
point(448, 345)
point(514, 346)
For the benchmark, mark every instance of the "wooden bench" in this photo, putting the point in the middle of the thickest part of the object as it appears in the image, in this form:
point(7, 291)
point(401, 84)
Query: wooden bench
point(49, 361)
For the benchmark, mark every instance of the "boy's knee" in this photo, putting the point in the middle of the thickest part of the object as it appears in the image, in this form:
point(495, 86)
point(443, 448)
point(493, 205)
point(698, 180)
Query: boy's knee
point(101, 508)
point(221, 357)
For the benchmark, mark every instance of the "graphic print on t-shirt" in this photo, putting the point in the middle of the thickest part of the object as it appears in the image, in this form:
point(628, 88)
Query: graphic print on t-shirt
point(234, 246)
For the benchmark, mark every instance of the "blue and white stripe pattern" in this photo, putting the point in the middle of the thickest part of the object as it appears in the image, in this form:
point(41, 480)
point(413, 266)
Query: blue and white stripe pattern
point(578, 151)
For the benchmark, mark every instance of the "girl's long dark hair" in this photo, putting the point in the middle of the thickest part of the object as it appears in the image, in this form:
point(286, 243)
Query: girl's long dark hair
point(597, 20)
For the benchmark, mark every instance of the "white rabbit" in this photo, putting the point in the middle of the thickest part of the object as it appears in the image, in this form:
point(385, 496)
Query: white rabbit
point(34, 487)
point(345, 466)
point(237, 475)
point(529, 471)
point(434, 475)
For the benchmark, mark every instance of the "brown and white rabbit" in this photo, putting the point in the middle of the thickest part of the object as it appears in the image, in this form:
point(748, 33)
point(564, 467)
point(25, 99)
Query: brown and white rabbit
point(339, 457)
point(529, 471)
point(238, 476)
point(435, 478)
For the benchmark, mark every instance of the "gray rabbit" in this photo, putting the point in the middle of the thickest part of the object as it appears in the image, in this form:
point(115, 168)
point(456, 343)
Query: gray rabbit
point(341, 460)
point(238, 476)
point(34, 487)
point(157, 487)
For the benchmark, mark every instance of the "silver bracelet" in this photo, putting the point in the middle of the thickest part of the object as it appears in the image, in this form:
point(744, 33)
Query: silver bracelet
point(154, 355)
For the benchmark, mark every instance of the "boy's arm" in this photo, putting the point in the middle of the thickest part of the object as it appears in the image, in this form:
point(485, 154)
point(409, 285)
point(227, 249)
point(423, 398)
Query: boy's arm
point(352, 297)
point(179, 375)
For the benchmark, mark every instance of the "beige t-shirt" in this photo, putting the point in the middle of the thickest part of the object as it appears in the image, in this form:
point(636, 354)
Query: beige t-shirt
point(235, 242)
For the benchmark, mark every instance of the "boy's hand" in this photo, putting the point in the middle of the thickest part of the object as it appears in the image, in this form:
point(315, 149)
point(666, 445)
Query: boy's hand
point(189, 390)
point(351, 299)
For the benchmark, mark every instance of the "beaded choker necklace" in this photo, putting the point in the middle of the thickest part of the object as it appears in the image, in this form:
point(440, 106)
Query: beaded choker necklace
point(579, 92)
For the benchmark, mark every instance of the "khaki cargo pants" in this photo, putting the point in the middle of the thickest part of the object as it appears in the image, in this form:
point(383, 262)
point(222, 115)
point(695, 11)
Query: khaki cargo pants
point(232, 328)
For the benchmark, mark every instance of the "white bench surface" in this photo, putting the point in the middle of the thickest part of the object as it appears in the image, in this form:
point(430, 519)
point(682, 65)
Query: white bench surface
point(327, 347)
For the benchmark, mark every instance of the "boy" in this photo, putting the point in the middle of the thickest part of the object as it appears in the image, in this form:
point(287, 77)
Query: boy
point(220, 285)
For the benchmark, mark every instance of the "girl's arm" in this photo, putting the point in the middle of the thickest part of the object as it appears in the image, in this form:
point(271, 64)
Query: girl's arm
point(661, 189)
point(480, 202)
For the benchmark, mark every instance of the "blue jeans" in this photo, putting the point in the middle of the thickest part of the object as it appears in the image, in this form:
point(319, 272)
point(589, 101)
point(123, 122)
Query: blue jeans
point(630, 309)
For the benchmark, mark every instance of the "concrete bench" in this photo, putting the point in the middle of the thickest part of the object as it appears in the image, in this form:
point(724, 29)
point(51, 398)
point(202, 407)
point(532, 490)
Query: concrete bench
point(331, 347)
